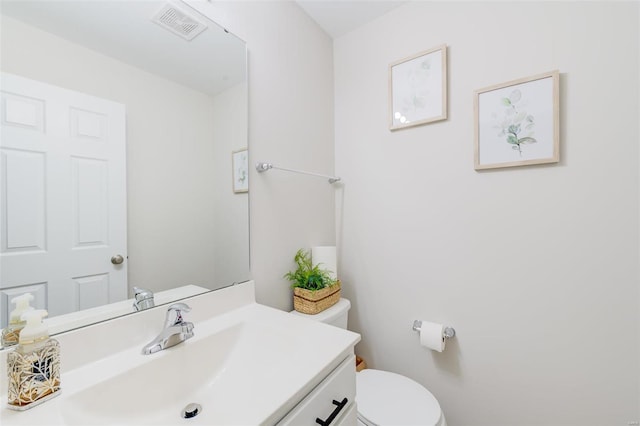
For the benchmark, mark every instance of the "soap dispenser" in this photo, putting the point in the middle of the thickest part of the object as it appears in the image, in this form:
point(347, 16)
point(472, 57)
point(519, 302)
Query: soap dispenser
point(11, 333)
point(34, 365)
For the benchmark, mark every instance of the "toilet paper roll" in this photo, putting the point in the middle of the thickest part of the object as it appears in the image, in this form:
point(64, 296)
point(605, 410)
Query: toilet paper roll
point(432, 336)
point(326, 257)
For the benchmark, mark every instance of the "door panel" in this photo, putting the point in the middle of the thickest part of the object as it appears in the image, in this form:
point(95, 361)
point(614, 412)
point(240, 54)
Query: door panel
point(89, 200)
point(23, 201)
point(92, 290)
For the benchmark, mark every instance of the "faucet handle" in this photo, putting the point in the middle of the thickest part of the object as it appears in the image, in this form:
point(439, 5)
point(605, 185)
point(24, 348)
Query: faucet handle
point(180, 307)
point(176, 309)
point(141, 290)
point(143, 299)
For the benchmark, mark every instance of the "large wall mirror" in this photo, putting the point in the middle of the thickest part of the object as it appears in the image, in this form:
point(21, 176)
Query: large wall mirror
point(123, 156)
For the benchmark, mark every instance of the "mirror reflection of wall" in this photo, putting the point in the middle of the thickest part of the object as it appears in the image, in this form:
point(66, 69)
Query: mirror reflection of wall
point(186, 112)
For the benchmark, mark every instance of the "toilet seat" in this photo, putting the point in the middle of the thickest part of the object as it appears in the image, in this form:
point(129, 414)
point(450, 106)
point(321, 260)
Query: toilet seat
point(386, 398)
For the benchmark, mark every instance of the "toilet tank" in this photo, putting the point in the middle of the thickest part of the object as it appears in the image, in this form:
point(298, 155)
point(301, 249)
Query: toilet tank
point(336, 315)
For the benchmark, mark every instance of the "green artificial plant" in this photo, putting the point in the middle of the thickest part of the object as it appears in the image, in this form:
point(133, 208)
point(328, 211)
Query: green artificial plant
point(307, 275)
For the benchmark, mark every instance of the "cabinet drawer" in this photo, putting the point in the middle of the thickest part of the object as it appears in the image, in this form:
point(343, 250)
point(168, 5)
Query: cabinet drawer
point(331, 399)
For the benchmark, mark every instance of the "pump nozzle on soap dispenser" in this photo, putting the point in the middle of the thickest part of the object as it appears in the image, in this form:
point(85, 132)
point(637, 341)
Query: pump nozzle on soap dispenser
point(11, 333)
point(22, 303)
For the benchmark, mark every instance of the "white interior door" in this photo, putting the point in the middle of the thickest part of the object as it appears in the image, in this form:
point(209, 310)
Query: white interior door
point(62, 197)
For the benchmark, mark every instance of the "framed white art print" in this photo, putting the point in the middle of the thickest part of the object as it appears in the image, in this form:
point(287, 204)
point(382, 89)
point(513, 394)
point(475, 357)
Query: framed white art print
point(240, 165)
point(517, 123)
point(418, 89)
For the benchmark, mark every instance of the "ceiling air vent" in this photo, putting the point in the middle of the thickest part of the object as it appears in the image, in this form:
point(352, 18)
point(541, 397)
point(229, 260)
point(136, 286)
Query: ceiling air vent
point(178, 22)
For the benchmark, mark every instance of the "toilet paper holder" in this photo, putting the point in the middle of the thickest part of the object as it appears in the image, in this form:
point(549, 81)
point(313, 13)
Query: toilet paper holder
point(448, 333)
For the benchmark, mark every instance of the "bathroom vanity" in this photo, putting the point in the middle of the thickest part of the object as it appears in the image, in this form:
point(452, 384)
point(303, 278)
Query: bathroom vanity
point(246, 364)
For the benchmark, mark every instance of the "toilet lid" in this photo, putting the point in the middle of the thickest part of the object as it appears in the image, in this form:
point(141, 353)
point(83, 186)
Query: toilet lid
point(386, 398)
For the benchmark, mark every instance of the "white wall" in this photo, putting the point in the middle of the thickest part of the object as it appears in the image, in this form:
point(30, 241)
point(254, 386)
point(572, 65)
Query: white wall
point(231, 215)
point(169, 152)
point(290, 125)
point(535, 267)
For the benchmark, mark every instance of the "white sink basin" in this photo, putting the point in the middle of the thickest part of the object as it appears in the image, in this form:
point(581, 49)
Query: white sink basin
point(215, 371)
point(248, 365)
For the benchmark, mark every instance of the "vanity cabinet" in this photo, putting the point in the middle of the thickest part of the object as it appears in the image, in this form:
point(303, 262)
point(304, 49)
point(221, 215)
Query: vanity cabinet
point(332, 401)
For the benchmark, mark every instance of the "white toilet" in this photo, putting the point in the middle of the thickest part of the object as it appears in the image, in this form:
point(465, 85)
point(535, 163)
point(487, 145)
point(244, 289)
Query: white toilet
point(385, 398)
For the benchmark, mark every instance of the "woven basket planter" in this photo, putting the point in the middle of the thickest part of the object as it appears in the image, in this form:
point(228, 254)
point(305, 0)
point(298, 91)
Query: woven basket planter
point(312, 302)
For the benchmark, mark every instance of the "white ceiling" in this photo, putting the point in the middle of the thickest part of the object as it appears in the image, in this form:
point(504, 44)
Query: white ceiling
point(338, 17)
point(211, 62)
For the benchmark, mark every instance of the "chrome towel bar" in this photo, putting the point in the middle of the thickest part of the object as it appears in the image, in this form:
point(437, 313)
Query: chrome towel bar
point(263, 167)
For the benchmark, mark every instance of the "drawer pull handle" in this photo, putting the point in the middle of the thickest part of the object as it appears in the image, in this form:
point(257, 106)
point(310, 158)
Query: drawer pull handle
point(332, 416)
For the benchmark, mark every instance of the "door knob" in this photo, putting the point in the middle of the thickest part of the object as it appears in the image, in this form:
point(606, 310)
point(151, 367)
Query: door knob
point(117, 259)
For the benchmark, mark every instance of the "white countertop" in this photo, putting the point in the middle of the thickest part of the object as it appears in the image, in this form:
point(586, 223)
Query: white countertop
point(247, 364)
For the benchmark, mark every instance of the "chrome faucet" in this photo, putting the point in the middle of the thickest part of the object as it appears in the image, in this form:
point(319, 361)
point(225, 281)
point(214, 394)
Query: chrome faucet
point(175, 331)
point(144, 299)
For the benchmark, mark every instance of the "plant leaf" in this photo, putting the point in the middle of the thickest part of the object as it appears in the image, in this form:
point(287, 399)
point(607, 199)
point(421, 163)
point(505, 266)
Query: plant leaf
point(512, 139)
point(527, 140)
point(506, 102)
point(307, 275)
point(520, 117)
